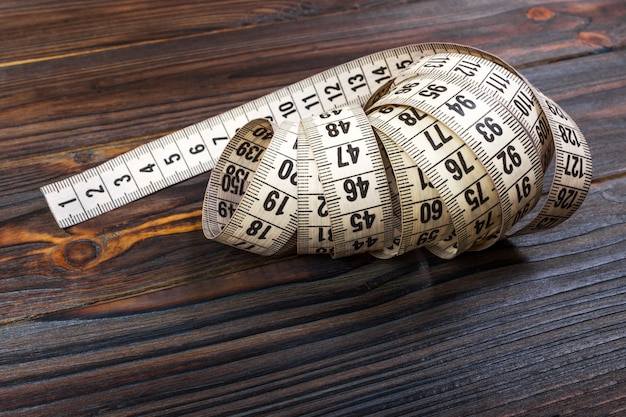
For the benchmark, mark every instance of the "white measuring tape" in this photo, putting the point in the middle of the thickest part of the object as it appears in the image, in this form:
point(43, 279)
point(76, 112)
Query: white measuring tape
point(440, 146)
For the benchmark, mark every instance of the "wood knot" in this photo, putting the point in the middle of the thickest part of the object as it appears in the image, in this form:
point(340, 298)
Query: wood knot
point(83, 157)
point(80, 252)
point(595, 39)
point(540, 14)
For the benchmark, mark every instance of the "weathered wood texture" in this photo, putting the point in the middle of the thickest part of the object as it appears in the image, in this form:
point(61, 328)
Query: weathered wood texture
point(135, 313)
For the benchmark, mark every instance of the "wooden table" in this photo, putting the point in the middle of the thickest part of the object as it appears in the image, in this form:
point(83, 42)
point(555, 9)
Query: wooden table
point(136, 313)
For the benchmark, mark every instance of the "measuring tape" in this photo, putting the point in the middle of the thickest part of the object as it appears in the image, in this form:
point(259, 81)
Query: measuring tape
point(434, 145)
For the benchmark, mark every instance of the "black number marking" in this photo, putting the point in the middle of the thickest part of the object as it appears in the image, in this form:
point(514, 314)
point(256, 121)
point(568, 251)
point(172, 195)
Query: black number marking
point(357, 78)
point(566, 198)
point(287, 108)
point(358, 244)
point(524, 189)
point(461, 103)
point(359, 221)
point(353, 153)
point(431, 210)
point(569, 135)
point(381, 71)
point(443, 139)
point(285, 171)
point(324, 234)
point(542, 129)
point(147, 168)
point(412, 118)
point(196, 149)
point(264, 132)
point(120, 180)
point(476, 198)
point(427, 237)
point(406, 88)
point(556, 110)
point(255, 227)
point(272, 201)
point(423, 180)
point(63, 204)
point(250, 151)
point(356, 189)
point(507, 155)
point(403, 64)
point(330, 113)
point(321, 209)
point(217, 139)
point(225, 209)
point(171, 159)
point(574, 166)
point(498, 82)
point(333, 128)
point(523, 103)
point(484, 224)
point(467, 68)
point(458, 168)
point(493, 129)
point(92, 191)
point(233, 178)
point(315, 102)
point(436, 62)
point(333, 91)
point(433, 91)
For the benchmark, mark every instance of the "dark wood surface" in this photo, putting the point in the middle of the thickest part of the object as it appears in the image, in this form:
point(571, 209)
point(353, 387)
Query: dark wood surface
point(135, 313)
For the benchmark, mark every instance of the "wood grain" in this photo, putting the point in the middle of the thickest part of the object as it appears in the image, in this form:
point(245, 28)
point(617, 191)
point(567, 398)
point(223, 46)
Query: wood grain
point(135, 313)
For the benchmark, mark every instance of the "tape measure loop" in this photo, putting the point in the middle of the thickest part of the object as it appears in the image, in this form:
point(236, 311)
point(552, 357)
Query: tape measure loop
point(441, 146)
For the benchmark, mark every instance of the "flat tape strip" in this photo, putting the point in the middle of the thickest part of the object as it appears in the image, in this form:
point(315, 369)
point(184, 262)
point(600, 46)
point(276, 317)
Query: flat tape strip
point(441, 146)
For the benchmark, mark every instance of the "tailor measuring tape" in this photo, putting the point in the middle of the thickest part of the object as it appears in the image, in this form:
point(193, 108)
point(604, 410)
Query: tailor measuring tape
point(441, 146)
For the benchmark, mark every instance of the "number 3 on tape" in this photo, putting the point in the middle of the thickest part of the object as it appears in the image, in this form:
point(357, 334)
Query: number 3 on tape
point(441, 146)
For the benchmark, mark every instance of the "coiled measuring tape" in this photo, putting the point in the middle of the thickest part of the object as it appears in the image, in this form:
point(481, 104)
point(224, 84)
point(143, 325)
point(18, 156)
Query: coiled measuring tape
point(434, 145)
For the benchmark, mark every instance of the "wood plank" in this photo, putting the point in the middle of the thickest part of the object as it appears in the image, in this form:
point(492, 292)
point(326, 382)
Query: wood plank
point(46, 30)
point(135, 313)
point(204, 81)
point(591, 100)
point(96, 258)
point(472, 325)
